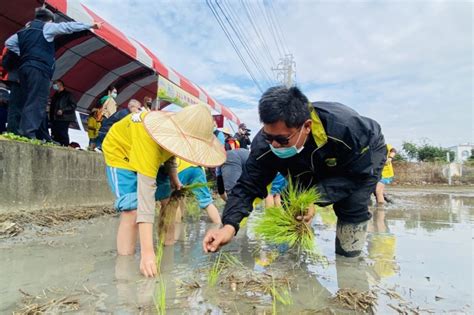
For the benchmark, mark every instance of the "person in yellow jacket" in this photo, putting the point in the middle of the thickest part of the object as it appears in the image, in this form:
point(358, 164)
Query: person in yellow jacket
point(134, 149)
point(387, 175)
point(93, 126)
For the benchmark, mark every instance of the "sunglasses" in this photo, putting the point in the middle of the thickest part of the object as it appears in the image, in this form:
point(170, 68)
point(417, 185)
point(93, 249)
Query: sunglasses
point(282, 140)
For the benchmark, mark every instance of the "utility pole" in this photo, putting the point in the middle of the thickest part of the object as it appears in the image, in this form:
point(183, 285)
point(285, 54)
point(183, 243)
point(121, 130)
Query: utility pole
point(286, 71)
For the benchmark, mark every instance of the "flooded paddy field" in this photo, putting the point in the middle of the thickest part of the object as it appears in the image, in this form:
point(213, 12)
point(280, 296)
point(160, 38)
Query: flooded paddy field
point(418, 260)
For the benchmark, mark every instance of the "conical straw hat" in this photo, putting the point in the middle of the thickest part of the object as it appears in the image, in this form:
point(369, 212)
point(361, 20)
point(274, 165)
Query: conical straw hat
point(188, 134)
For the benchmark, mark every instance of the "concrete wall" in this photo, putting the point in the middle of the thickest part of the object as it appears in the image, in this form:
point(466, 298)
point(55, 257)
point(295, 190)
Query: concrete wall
point(37, 177)
point(432, 173)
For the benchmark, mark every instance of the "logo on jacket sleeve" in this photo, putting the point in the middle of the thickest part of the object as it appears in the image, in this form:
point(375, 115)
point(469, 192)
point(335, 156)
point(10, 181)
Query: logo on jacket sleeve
point(331, 162)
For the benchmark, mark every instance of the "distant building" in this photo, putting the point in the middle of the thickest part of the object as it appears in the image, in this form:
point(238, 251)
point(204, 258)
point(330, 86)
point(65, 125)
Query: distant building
point(462, 151)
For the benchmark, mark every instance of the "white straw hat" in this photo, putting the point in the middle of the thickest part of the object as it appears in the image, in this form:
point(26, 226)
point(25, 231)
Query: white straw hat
point(188, 134)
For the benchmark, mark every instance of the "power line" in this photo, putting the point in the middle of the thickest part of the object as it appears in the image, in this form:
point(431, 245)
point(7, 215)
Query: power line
point(229, 37)
point(278, 28)
point(246, 43)
point(272, 31)
point(266, 49)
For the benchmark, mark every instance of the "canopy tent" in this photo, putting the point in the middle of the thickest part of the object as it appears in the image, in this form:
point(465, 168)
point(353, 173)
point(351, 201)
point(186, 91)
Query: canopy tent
point(88, 62)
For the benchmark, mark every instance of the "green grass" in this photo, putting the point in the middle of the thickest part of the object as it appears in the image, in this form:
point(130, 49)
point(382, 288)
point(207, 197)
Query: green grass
point(215, 271)
point(279, 225)
point(14, 137)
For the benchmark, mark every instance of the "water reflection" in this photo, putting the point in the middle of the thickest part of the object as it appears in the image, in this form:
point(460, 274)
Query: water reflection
point(381, 245)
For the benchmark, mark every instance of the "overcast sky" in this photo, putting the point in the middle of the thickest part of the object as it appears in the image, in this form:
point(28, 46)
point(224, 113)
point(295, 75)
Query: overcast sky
point(407, 64)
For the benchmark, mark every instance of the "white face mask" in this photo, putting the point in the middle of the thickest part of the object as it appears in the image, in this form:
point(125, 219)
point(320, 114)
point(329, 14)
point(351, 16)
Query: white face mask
point(113, 94)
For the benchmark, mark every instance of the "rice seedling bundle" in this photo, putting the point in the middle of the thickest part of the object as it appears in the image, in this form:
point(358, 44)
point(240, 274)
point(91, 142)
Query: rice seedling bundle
point(278, 225)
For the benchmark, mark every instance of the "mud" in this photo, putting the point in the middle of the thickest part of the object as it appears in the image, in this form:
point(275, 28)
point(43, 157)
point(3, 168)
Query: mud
point(417, 260)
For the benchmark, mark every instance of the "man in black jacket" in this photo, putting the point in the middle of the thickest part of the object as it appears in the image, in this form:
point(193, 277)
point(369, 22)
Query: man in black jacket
point(61, 113)
point(242, 135)
point(322, 144)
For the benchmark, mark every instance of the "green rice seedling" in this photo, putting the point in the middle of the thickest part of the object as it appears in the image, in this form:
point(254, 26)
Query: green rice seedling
point(231, 261)
point(160, 297)
point(215, 271)
point(192, 212)
point(279, 225)
point(159, 253)
point(281, 295)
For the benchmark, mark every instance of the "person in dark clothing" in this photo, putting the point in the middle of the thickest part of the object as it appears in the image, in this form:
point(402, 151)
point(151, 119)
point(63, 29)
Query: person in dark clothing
point(61, 113)
point(9, 75)
point(242, 135)
point(322, 144)
point(4, 99)
point(35, 46)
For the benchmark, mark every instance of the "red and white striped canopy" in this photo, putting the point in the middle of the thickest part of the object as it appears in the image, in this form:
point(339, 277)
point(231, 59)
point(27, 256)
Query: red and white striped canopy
point(88, 62)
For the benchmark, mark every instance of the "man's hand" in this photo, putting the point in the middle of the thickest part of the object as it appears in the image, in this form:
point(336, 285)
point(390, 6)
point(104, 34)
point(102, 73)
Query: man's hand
point(97, 25)
point(308, 217)
point(216, 238)
point(59, 112)
point(148, 264)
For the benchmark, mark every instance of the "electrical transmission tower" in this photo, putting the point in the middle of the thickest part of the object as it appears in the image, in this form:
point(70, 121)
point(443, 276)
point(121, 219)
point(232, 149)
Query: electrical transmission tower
point(286, 70)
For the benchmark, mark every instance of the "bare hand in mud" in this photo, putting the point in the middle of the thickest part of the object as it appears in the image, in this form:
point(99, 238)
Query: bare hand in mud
point(215, 238)
point(148, 265)
point(308, 217)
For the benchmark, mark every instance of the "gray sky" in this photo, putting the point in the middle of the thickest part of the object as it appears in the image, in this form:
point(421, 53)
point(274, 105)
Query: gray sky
point(407, 64)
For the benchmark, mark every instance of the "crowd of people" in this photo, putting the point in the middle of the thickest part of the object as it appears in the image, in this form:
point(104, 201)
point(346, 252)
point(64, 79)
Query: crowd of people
point(148, 152)
point(28, 63)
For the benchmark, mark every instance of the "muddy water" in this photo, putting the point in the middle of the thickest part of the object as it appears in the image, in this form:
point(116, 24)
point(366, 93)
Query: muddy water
point(419, 247)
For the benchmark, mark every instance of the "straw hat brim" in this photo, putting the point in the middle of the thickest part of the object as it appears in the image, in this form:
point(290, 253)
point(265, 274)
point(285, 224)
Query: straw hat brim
point(171, 137)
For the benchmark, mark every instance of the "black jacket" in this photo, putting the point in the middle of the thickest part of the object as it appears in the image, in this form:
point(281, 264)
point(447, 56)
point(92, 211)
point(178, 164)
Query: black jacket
point(343, 151)
point(244, 140)
point(63, 101)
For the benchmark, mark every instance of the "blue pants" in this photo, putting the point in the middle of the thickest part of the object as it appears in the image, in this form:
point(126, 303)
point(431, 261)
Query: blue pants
point(188, 176)
point(35, 91)
point(123, 184)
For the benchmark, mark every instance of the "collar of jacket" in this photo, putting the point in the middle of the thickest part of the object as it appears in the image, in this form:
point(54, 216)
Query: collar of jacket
point(317, 129)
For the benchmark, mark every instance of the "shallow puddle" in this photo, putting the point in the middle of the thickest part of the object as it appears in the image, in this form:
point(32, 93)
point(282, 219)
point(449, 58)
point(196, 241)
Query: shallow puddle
point(418, 257)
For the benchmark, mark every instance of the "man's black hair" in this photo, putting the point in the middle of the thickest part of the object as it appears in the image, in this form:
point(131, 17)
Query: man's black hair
point(44, 14)
point(60, 81)
point(280, 103)
point(111, 88)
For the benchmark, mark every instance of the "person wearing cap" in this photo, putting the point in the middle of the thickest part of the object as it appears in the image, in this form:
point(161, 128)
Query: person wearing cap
point(35, 45)
point(134, 149)
point(242, 136)
point(321, 144)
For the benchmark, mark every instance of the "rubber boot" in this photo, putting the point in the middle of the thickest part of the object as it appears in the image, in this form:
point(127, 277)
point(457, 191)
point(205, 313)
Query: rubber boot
point(350, 238)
